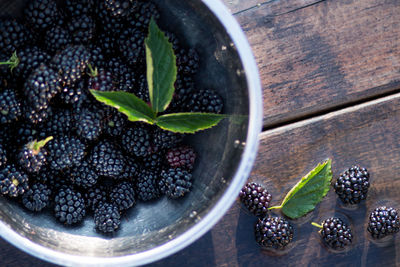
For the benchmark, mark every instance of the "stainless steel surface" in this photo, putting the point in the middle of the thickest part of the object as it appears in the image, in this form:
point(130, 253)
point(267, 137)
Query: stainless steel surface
point(155, 230)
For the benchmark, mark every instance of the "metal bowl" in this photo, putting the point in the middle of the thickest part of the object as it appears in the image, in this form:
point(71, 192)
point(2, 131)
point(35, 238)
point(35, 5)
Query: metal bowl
point(152, 231)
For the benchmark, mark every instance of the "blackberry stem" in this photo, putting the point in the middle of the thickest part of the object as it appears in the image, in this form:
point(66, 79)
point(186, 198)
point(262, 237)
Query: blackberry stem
point(13, 62)
point(37, 145)
point(275, 208)
point(317, 225)
point(93, 72)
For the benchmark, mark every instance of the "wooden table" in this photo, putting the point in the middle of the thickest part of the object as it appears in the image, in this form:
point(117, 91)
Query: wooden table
point(330, 72)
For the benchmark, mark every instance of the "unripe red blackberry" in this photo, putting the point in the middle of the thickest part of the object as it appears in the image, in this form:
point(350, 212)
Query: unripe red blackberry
point(255, 198)
point(181, 157)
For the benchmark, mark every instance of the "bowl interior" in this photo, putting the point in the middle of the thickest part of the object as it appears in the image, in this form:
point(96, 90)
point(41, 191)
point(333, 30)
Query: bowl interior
point(149, 225)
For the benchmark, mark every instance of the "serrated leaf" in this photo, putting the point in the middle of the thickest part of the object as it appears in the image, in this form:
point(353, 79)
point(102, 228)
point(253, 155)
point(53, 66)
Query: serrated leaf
point(308, 192)
point(129, 104)
point(188, 122)
point(161, 68)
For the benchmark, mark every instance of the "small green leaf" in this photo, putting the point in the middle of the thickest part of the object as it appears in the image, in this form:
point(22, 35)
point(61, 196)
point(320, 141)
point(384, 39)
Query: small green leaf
point(129, 104)
point(308, 192)
point(161, 68)
point(188, 122)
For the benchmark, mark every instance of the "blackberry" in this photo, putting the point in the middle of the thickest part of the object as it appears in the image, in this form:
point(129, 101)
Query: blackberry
point(57, 38)
point(107, 160)
point(120, 8)
point(166, 139)
point(175, 183)
point(131, 46)
point(10, 107)
point(114, 123)
point(155, 161)
point(383, 221)
point(61, 122)
point(100, 79)
point(142, 90)
point(181, 157)
point(89, 124)
point(45, 176)
point(255, 198)
point(121, 73)
point(71, 63)
point(41, 14)
point(187, 61)
point(13, 182)
point(107, 218)
point(205, 100)
point(82, 29)
point(69, 206)
point(65, 152)
point(107, 44)
point(94, 196)
point(36, 116)
point(140, 19)
point(71, 94)
point(41, 86)
point(273, 232)
point(30, 58)
point(352, 185)
point(23, 133)
point(335, 233)
point(3, 156)
point(132, 170)
point(136, 140)
point(83, 175)
point(13, 35)
point(122, 196)
point(77, 8)
point(184, 88)
point(97, 58)
point(32, 156)
point(147, 186)
point(37, 197)
point(109, 24)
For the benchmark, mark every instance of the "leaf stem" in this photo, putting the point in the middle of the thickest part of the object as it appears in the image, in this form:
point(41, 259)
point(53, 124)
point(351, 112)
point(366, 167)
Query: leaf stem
point(275, 208)
point(317, 225)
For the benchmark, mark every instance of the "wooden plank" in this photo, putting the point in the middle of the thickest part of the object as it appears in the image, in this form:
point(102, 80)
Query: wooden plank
point(323, 55)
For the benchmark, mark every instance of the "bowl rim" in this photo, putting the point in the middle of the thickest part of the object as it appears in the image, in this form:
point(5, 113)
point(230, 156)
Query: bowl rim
point(223, 204)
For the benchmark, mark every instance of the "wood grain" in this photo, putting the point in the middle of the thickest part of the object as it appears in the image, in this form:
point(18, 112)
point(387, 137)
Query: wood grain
point(324, 56)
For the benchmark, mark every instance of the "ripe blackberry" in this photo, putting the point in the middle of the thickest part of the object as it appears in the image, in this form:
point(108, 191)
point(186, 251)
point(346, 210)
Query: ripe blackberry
point(352, 185)
point(273, 232)
point(206, 100)
point(255, 198)
point(10, 107)
point(37, 197)
point(57, 38)
point(136, 140)
point(76, 8)
point(187, 61)
point(97, 58)
point(13, 35)
point(175, 183)
point(181, 157)
point(100, 79)
point(142, 90)
point(89, 124)
point(335, 233)
point(121, 73)
point(132, 169)
point(24, 132)
point(114, 122)
point(60, 123)
point(147, 186)
point(94, 196)
point(107, 218)
point(3, 156)
point(166, 139)
point(72, 94)
point(32, 156)
point(34, 115)
point(383, 221)
point(122, 196)
point(69, 206)
point(13, 182)
point(41, 14)
point(154, 161)
point(45, 176)
point(131, 46)
point(107, 44)
point(30, 58)
point(107, 159)
point(71, 63)
point(108, 23)
point(120, 8)
point(41, 86)
point(140, 19)
point(82, 29)
point(184, 88)
point(65, 152)
point(83, 175)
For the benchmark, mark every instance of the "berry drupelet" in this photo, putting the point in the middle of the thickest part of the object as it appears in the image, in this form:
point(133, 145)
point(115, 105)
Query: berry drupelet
point(13, 182)
point(10, 106)
point(65, 152)
point(41, 14)
point(165, 139)
point(82, 29)
point(76, 8)
point(83, 175)
point(3, 156)
point(89, 124)
point(94, 196)
point(37, 197)
point(136, 140)
point(147, 186)
point(273, 232)
point(131, 46)
point(13, 35)
point(255, 198)
point(175, 183)
point(57, 38)
point(107, 159)
point(335, 233)
point(352, 185)
point(383, 221)
point(122, 195)
point(181, 157)
point(69, 206)
point(107, 218)
point(32, 156)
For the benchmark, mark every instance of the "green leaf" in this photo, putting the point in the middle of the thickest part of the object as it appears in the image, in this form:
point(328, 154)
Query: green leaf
point(188, 122)
point(129, 104)
point(161, 68)
point(308, 192)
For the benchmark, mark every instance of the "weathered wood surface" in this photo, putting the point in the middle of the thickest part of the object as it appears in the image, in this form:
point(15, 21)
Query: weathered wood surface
point(324, 56)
